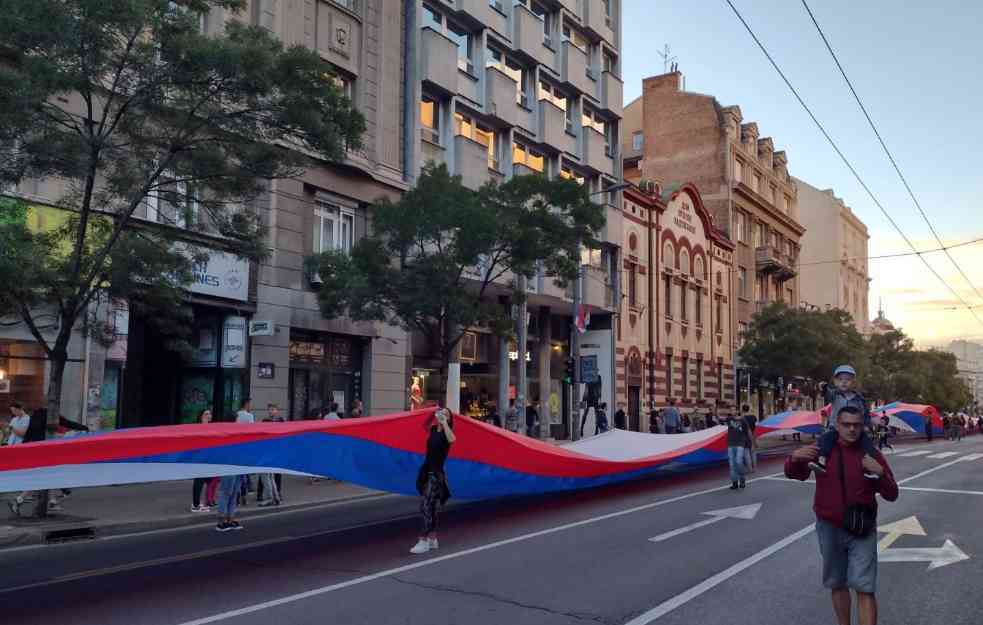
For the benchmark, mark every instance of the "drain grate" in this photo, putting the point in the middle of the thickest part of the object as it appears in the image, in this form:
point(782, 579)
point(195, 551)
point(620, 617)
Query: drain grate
point(68, 535)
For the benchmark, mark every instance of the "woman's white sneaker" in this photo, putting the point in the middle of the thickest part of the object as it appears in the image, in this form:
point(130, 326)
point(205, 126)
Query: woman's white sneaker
point(422, 546)
point(434, 545)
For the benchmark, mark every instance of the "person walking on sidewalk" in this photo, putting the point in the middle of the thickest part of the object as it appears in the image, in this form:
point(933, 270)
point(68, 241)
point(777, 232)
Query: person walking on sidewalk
point(846, 514)
point(738, 434)
point(200, 483)
point(431, 481)
point(245, 415)
point(20, 423)
point(670, 417)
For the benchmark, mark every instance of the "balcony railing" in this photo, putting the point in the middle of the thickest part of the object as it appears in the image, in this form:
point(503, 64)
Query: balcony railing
point(770, 260)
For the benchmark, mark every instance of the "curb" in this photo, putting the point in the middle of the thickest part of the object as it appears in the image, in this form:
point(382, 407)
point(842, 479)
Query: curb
point(22, 536)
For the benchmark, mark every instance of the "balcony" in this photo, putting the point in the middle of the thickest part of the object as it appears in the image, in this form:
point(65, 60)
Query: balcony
point(500, 96)
point(482, 12)
point(594, 151)
point(598, 291)
point(573, 6)
point(471, 162)
point(769, 260)
point(528, 37)
point(573, 69)
point(596, 20)
point(553, 128)
point(611, 94)
point(439, 61)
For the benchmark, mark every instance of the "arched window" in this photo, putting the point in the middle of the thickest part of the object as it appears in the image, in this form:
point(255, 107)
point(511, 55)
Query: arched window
point(668, 258)
point(684, 261)
point(698, 268)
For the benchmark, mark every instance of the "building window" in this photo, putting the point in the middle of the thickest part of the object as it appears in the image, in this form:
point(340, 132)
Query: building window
point(575, 37)
point(432, 18)
point(760, 289)
point(791, 296)
point(698, 306)
point(720, 381)
point(523, 155)
point(788, 205)
point(684, 262)
point(699, 379)
point(668, 374)
point(430, 118)
point(609, 136)
point(591, 118)
point(633, 285)
point(637, 141)
point(609, 62)
point(569, 174)
point(668, 296)
point(479, 133)
point(739, 226)
point(334, 228)
point(685, 389)
point(741, 332)
point(172, 203)
point(742, 282)
point(757, 183)
point(720, 316)
point(552, 94)
point(464, 42)
point(497, 59)
point(774, 195)
point(668, 259)
point(682, 302)
point(760, 235)
point(738, 171)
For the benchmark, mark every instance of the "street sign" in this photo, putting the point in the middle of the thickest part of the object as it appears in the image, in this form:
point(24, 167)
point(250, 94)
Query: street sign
point(588, 369)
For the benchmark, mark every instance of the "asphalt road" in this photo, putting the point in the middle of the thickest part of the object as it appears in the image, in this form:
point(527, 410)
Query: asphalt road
point(577, 558)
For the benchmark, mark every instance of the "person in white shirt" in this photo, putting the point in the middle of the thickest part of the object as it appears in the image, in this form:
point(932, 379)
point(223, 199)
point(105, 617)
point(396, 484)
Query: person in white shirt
point(333, 413)
point(245, 414)
point(20, 421)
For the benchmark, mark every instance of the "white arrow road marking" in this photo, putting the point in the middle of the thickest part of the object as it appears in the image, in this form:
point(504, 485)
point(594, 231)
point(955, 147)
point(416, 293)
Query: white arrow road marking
point(948, 553)
point(971, 457)
point(897, 529)
point(944, 454)
point(909, 454)
point(747, 512)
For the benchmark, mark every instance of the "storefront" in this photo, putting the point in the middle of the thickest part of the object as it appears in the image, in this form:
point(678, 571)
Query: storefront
point(22, 379)
point(325, 368)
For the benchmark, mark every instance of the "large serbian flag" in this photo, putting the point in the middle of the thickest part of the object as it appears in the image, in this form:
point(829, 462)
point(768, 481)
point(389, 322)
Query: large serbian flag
point(791, 421)
point(910, 417)
point(383, 453)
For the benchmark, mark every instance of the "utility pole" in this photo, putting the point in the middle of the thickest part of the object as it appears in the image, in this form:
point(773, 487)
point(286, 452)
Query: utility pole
point(523, 340)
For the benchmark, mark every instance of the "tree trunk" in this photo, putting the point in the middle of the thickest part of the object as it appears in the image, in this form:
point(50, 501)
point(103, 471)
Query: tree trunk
point(58, 360)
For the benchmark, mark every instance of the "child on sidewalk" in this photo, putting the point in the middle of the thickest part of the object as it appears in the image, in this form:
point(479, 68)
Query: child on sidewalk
point(843, 395)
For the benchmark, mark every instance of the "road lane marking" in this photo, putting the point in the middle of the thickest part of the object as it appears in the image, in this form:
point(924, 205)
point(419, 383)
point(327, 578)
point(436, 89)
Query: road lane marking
point(944, 465)
point(896, 530)
point(972, 457)
point(747, 513)
point(451, 556)
point(671, 604)
point(937, 557)
point(942, 490)
point(944, 454)
point(918, 452)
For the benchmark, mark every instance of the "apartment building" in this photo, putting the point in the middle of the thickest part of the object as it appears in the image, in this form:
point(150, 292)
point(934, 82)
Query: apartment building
point(508, 88)
point(834, 255)
point(259, 330)
point(673, 135)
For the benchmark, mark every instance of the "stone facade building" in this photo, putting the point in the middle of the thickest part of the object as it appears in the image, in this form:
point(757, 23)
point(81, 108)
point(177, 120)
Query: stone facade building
point(671, 134)
point(834, 255)
point(675, 325)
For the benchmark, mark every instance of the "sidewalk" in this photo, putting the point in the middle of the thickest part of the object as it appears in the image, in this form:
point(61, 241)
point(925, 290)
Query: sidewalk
point(110, 510)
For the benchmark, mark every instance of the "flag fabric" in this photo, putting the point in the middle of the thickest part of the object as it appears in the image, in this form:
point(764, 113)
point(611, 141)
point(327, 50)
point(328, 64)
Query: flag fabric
point(583, 318)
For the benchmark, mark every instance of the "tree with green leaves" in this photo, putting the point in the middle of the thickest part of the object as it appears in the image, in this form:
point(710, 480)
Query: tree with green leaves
point(782, 341)
point(437, 259)
point(157, 133)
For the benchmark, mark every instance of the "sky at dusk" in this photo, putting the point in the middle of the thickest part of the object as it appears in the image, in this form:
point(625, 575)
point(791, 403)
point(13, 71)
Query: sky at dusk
point(916, 67)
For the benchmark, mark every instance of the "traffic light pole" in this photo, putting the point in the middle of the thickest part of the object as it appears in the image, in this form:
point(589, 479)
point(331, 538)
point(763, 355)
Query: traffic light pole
point(578, 299)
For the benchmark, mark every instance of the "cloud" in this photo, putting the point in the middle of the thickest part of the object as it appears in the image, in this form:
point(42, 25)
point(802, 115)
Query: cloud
point(903, 291)
point(934, 304)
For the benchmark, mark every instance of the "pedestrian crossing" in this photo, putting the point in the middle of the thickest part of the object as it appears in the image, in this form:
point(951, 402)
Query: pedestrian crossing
point(944, 454)
point(927, 454)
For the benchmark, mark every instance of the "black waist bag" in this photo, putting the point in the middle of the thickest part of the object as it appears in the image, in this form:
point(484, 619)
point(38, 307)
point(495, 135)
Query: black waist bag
point(859, 519)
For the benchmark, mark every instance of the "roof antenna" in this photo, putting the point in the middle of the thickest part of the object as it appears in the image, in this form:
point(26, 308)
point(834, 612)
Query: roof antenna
point(668, 60)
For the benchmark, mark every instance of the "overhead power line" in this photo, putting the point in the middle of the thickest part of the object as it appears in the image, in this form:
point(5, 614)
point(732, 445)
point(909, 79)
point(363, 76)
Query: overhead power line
point(890, 156)
point(847, 162)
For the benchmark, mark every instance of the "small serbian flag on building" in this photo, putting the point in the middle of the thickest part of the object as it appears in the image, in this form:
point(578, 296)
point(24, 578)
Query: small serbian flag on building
point(583, 318)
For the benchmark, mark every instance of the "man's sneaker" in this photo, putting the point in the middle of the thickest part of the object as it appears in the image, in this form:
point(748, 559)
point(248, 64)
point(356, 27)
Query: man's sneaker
point(871, 476)
point(266, 503)
point(14, 506)
point(223, 527)
point(819, 466)
point(235, 525)
point(54, 506)
point(434, 545)
point(422, 546)
point(199, 508)
point(733, 486)
point(742, 484)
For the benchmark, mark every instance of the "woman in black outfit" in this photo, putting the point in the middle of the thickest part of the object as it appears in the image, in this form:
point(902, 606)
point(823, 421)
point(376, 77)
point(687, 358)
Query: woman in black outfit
point(431, 482)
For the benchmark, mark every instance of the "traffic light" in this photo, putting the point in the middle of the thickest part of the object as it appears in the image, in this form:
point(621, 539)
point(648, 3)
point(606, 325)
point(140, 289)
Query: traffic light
point(568, 370)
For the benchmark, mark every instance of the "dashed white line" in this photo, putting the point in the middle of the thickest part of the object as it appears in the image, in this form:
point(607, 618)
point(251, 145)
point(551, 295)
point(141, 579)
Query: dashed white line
point(918, 452)
point(971, 457)
point(944, 454)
